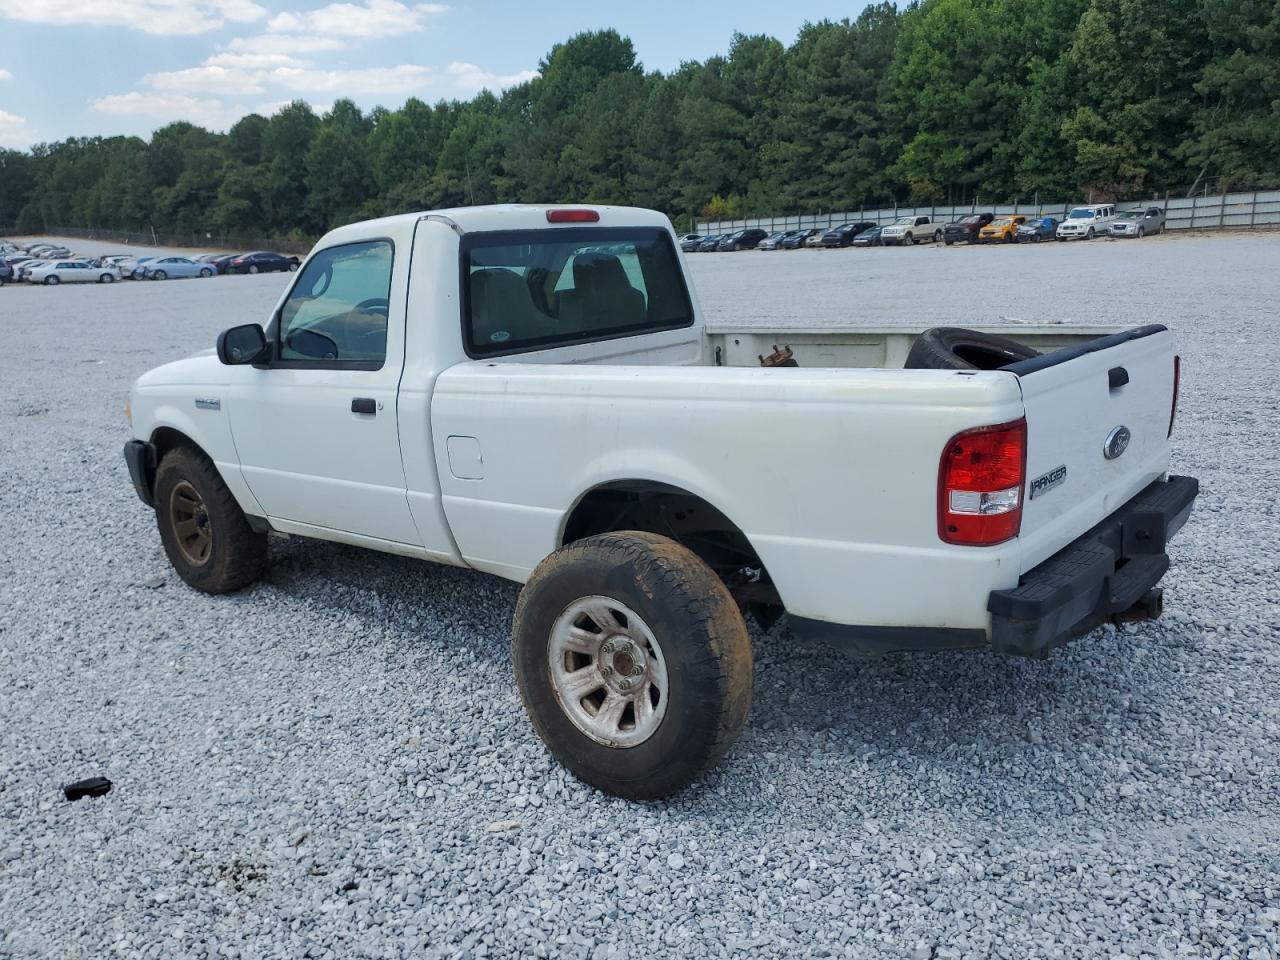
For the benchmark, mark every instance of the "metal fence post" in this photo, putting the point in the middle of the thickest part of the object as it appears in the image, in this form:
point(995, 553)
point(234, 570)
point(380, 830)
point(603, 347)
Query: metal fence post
point(1253, 209)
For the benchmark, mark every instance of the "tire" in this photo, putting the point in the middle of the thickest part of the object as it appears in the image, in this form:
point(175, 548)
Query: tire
point(684, 629)
point(229, 555)
point(1089, 235)
point(206, 272)
point(51, 281)
point(159, 275)
point(908, 241)
point(106, 278)
point(937, 235)
point(953, 348)
point(1035, 238)
point(292, 266)
point(253, 268)
point(1141, 233)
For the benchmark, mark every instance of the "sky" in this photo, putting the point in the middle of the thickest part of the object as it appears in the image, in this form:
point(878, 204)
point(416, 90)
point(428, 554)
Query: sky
point(104, 67)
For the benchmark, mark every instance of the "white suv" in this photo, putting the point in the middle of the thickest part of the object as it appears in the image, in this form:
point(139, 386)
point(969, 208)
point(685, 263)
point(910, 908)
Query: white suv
point(1087, 222)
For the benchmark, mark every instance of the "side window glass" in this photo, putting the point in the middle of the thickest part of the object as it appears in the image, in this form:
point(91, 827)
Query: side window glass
point(338, 309)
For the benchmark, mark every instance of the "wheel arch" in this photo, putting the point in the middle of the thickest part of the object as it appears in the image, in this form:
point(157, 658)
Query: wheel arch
point(661, 508)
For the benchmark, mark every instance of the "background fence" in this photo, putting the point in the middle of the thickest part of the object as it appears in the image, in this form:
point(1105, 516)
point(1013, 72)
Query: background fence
point(1258, 208)
point(151, 238)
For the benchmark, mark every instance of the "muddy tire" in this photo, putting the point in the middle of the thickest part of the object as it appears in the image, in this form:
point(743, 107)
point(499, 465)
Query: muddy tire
point(633, 663)
point(205, 533)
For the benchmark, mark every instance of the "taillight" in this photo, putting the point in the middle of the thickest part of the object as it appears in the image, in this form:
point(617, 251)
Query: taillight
point(572, 216)
point(1177, 383)
point(980, 484)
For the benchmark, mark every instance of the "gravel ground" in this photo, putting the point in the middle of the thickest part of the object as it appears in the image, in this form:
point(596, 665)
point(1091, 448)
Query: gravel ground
point(335, 763)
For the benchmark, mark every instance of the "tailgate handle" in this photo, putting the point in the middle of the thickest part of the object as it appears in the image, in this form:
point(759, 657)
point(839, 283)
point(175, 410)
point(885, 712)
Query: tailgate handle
point(1117, 377)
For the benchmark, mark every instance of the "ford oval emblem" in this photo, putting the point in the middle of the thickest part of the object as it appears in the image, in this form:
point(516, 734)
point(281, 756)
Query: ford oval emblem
point(1117, 442)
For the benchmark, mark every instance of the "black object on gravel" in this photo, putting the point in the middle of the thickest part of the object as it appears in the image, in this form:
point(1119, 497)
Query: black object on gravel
point(92, 787)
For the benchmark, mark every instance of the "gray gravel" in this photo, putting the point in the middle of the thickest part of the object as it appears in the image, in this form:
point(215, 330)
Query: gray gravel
point(335, 763)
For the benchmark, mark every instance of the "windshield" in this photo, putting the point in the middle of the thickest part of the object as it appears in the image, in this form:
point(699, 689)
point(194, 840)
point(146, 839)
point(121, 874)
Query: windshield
point(538, 288)
point(1131, 215)
point(1081, 213)
point(972, 219)
point(905, 221)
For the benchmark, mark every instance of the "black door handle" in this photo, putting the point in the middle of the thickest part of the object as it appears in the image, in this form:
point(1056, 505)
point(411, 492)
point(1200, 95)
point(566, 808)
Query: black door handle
point(1117, 377)
point(364, 405)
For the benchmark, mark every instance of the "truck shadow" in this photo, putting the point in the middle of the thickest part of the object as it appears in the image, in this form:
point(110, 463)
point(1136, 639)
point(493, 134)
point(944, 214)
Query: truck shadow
point(906, 731)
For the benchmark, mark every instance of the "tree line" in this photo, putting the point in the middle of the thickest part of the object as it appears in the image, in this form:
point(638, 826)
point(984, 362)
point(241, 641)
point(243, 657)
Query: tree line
point(943, 101)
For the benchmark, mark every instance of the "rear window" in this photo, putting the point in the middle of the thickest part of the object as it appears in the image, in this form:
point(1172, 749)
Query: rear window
point(526, 290)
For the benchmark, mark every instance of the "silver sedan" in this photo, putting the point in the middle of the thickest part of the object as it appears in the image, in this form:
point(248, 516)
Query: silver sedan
point(168, 268)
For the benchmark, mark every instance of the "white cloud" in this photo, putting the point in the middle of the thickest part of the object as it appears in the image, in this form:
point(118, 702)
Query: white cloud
point(5, 74)
point(467, 76)
point(373, 18)
point(14, 131)
point(402, 79)
point(252, 61)
point(167, 107)
point(163, 17)
point(283, 44)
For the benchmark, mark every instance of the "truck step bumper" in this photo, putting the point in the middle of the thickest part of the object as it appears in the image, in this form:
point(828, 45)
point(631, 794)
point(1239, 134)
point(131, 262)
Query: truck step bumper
point(1110, 572)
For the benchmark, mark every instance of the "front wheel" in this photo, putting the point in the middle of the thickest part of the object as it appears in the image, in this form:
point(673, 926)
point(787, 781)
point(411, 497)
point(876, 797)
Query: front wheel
point(909, 240)
point(206, 272)
point(205, 533)
point(633, 662)
point(51, 281)
point(159, 275)
point(253, 268)
point(107, 278)
point(1089, 235)
point(1141, 233)
point(937, 235)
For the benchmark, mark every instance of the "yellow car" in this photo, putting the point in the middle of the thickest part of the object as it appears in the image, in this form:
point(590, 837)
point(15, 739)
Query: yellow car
point(1001, 229)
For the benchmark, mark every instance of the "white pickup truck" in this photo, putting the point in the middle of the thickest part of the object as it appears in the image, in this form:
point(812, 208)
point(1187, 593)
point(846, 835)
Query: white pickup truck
point(531, 392)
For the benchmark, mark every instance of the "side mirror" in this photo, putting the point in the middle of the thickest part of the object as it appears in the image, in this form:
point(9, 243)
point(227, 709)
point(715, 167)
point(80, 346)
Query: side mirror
point(242, 345)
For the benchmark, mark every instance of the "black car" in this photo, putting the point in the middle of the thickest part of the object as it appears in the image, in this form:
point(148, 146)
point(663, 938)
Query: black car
point(711, 243)
point(261, 261)
point(743, 239)
point(796, 240)
point(842, 236)
point(966, 228)
point(6, 273)
point(868, 238)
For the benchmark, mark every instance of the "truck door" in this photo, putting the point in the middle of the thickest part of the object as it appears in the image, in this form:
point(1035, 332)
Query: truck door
point(315, 430)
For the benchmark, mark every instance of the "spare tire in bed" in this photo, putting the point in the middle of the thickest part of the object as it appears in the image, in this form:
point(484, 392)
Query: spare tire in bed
point(953, 348)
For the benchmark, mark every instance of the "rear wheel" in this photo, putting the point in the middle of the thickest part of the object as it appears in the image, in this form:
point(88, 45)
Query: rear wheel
point(253, 268)
point(292, 266)
point(937, 235)
point(205, 533)
point(633, 662)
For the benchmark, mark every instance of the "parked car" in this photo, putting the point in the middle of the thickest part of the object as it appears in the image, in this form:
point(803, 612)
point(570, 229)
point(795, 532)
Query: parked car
point(814, 240)
point(1139, 222)
point(868, 238)
point(6, 273)
point(1085, 223)
point(1006, 495)
point(24, 269)
point(965, 230)
point(130, 267)
point(743, 239)
point(690, 242)
point(1002, 229)
point(842, 236)
point(906, 231)
point(173, 268)
point(54, 272)
point(690, 236)
point(261, 261)
point(773, 241)
point(1036, 229)
point(799, 238)
point(711, 244)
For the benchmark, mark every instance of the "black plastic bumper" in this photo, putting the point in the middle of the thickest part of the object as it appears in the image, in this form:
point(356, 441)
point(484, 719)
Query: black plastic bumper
point(141, 458)
point(1098, 576)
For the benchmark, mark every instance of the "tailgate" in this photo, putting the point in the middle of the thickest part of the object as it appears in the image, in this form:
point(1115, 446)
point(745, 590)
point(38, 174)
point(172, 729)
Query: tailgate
point(1079, 403)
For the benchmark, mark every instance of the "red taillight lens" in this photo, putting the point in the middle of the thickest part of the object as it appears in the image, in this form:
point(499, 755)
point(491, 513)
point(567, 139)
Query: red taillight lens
point(980, 485)
point(572, 216)
point(1177, 384)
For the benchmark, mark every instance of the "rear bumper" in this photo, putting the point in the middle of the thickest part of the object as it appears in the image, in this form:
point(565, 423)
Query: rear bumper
point(1098, 576)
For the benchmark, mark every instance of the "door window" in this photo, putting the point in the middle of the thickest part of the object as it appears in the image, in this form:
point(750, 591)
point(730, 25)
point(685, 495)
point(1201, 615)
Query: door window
point(336, 314)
